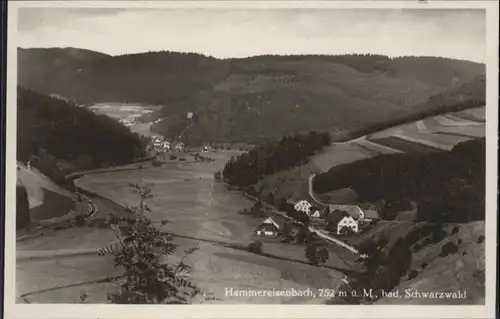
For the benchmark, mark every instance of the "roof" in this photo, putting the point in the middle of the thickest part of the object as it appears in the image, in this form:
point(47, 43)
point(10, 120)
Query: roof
point(303, 202)
point(348, 218)
point(371, 213)
point(270, 220)
point(352, 210)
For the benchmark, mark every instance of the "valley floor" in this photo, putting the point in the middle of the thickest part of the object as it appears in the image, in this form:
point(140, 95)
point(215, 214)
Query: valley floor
point(203, 214)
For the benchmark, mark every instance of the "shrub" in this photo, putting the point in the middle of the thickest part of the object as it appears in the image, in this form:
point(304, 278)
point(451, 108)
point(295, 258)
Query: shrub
point(427, 241)
point(480, 239)
point(438, 234)
point(454, 230)
point(100, 223)
point(423, 265)
point(80, 220)
point(302, 235)
point(149, 278)
point(448, 249)
point(417, 247)
point(218, 175)
point(173, 157)
point(382, 242)
point(412, 274)
point(255, 247)
point(22, 208)
point(312, 254)
point(156, 163)
point(459, 242)
point(479, 275)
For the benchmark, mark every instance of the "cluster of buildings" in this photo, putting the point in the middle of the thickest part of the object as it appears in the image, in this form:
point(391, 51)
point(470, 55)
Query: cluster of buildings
point(345, 218)
point(161, 145)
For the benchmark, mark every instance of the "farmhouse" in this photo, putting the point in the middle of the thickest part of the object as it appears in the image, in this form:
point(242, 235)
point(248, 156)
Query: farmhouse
point(303, 206)
point(347, 223)
point(269, 227)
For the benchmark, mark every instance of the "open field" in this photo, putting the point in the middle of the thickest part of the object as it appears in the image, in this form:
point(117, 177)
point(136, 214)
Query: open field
point(203, 214)
point(405, 145)
point(429, 132)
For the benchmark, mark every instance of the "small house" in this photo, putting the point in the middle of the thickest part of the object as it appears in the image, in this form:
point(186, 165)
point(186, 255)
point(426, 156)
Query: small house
point(347, 223)
point(316, 214)
point(269, 227)
point(303, 206)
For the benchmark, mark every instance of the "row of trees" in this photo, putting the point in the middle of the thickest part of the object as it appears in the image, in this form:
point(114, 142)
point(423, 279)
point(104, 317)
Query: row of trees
point(272, 157)
point(446, 186)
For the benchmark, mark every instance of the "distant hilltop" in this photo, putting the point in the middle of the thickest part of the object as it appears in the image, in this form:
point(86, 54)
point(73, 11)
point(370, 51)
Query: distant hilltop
point(247, 99)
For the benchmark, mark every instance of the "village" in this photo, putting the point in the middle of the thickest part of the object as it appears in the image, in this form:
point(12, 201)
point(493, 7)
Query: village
point(303, 222)
point(160, 145)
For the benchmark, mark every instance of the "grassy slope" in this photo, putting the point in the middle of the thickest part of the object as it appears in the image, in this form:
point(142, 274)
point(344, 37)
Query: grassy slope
point(242, 99)
point(463, 270)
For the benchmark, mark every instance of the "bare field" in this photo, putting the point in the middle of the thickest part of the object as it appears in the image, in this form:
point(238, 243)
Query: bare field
point(462, 126)
point(405, 145)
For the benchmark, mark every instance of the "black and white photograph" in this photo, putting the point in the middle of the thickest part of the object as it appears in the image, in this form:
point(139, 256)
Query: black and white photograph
point(249, 155)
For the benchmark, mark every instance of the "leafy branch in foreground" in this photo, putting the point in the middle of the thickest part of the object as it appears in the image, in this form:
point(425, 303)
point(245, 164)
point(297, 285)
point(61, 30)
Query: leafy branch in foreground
point(146, 255)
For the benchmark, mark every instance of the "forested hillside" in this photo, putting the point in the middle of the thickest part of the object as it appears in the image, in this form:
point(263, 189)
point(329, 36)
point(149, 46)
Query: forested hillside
point(249, 99)
point(447, 186)
point(272, 157)
point(50, 131)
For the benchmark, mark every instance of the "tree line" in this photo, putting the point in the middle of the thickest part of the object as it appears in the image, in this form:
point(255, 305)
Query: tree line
point(269, 158)
point(446, 186)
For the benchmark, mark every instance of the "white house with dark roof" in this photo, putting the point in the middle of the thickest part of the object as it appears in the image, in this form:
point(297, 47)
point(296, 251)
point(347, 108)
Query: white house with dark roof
point(303, 206)
point(269, 227)
point(349, 223)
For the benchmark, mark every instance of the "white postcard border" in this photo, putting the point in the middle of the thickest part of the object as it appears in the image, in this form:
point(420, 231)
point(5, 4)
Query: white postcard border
point(27, 311)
